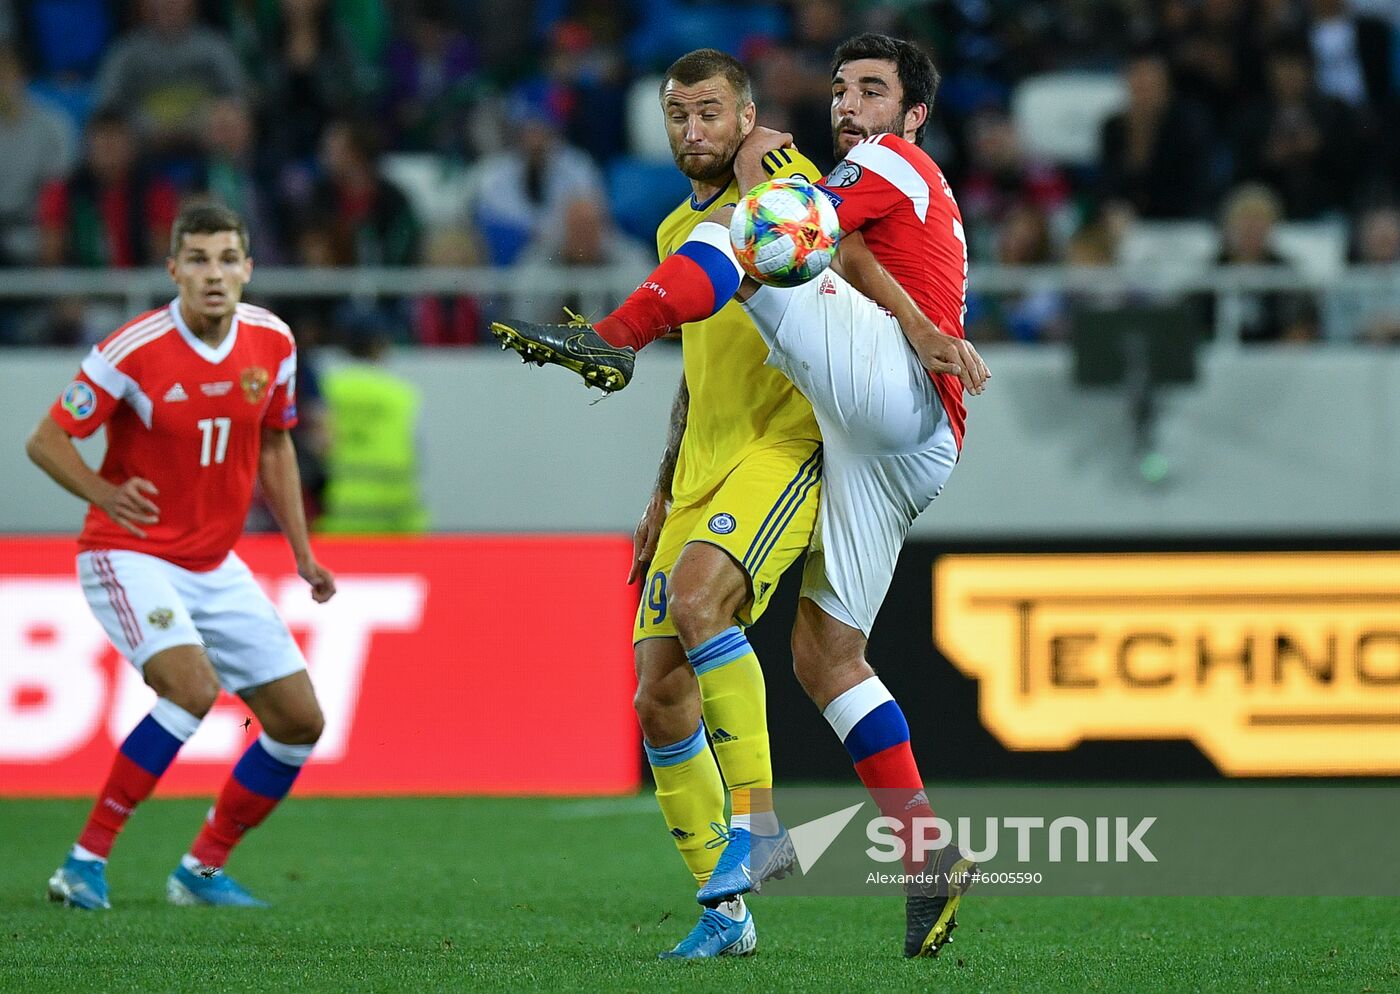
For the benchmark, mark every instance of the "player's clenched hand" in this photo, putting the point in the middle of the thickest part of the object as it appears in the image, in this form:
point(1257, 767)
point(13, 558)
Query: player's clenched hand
point(940, 353)
point(759, 143)
point(644, 538)
point(321, 579)
point(128, 506)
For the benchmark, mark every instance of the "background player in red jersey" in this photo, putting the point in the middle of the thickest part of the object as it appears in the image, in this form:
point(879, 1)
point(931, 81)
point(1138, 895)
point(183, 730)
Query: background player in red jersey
point(198, 398)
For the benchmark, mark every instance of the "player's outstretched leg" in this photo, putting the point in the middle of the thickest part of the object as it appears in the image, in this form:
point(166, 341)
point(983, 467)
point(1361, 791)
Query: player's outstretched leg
point(724, 930)
point(146, 753)
point(691, 284)
point(259, 781)
point(574, 346)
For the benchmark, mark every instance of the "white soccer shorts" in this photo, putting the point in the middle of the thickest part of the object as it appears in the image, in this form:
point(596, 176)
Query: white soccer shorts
point(889, 446)
point(147, 604)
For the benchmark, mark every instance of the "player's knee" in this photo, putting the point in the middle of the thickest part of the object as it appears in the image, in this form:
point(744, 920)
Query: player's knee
point(303, 729)
point(193, 691)
point(698, 612)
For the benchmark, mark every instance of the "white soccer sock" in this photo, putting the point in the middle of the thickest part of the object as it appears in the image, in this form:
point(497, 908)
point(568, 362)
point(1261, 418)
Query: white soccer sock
point(78, 852)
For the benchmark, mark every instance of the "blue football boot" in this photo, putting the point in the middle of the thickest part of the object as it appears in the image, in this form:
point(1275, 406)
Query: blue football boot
point(747, 861)
point(189, 889)
point(80, 883)
point(716, 934)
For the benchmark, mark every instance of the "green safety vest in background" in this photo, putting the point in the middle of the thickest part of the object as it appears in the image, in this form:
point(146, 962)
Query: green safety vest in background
point(372, 465)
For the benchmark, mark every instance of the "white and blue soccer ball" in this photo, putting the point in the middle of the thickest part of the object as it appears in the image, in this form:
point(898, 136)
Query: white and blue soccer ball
point(784, 232)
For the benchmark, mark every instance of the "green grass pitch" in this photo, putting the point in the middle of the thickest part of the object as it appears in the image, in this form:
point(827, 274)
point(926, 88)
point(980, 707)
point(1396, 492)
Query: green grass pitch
point(579, 895)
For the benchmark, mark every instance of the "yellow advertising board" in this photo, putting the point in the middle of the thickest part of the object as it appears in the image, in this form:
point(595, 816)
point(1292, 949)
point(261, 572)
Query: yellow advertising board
point(1272, 663)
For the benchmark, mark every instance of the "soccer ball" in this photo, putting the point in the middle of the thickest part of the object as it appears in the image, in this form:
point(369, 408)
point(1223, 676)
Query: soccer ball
point(784, 232)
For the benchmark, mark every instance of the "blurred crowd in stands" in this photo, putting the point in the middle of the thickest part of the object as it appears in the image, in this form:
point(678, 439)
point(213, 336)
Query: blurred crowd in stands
point(525, 133)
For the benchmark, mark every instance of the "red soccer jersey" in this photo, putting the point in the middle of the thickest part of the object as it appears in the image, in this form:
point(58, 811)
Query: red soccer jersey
point(891, 191)
point(187, 417)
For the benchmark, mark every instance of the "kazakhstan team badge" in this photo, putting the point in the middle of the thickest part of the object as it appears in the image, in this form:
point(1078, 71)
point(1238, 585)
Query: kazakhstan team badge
point(722, 524)
point(161, 617)
point(254, 381)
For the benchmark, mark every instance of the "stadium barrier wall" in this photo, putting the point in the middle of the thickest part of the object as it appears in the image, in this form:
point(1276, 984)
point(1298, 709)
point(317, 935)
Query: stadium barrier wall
point(481, 665)
point(1270, 441)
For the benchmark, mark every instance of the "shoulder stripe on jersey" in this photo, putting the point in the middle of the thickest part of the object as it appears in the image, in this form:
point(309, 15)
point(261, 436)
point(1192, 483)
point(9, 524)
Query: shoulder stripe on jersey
point(118, 350)
point(895, 169)
point(134, 326)
point(135, 332)
point(262, 317)
point(101, 371)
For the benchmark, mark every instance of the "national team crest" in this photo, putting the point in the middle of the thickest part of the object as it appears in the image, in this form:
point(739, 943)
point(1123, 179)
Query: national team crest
point(79, 400)
point(254, 382)
point(722, 524)
point(161, 618)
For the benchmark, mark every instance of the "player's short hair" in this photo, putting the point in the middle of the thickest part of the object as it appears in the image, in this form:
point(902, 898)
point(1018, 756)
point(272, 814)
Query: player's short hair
point(704, 63)
point(917, 75)
point(205, 217)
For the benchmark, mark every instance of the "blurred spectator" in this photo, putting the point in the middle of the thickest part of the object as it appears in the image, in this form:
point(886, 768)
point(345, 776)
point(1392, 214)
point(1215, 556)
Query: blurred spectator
point(373, 463)
point(520, 192)
point(999, 178)
point(367, 219)
point(1370, 311)
point(793, 80)
point(229, 173)
point(1037, 315)
point(1352, 54)
point(1298, 141)
point(585, 77)
point(310, 75)
point(1247, 230)
point(112, 211)
point(164, 71)
point(587, 237)
point(1213, 56)
point(1145, 159)
point(38, 148)
point(451, 319)
point(432, 68)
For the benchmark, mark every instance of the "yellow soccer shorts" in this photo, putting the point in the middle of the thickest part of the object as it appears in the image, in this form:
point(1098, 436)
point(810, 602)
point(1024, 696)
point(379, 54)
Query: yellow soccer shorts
point(762, 514)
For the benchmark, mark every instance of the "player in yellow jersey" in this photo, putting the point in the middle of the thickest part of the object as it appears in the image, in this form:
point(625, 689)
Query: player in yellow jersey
point(734, 505)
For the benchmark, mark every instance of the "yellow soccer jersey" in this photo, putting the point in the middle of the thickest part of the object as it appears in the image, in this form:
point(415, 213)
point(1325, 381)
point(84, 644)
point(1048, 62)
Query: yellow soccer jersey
point(737, 404)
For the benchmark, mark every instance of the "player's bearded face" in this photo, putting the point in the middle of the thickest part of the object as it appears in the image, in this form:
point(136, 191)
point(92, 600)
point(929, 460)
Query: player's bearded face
point(705, 126)
point(211, 271)
point(866, 99)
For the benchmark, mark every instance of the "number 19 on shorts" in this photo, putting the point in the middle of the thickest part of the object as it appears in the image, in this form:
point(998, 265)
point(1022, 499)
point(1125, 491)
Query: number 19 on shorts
point(213, 440)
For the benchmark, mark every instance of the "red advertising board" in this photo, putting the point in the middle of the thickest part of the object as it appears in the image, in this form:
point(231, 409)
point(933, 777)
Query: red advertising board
point(444, 665)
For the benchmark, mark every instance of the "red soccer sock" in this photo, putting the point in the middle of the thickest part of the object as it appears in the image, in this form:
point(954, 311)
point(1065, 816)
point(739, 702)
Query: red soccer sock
point(892, 777)
point(257, 784)
point(127, 786)
point(689, 285)
point(144, 756)
point(237, 810)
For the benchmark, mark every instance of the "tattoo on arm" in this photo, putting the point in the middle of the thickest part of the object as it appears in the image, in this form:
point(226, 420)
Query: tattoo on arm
point(680, 410)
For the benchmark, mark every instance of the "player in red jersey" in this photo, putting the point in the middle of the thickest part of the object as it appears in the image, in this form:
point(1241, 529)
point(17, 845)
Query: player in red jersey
point(197, 398)
point(886, 386)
